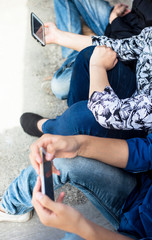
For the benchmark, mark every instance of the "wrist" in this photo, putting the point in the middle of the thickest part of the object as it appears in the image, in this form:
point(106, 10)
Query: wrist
point(82, 141)
point(97, 67)
point(86, 229)
point(89, 230)
point(63, 38)
point(58, 37)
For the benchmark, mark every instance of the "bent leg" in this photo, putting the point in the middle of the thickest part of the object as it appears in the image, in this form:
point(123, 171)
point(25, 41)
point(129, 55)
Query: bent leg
point(60, 82)
point(78, 119)
point(102, 184)
point(67, 19)
point(95, 13)
point(17, 198)
point(69, 12)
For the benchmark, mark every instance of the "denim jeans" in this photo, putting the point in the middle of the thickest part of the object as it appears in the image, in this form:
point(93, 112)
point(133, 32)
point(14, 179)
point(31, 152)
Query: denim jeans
point(78, 119)
point(68, 18)
point(104, 187)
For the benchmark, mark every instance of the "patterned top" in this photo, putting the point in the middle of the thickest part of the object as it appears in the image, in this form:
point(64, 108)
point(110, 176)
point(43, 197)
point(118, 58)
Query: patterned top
point(135, 112)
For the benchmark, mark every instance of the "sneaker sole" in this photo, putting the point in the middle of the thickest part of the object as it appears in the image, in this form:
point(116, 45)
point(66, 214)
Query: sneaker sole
point(4, 217)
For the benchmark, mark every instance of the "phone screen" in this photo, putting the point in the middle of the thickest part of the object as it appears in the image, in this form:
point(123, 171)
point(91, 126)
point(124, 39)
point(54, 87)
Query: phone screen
point(37, 28)
point(46, 176)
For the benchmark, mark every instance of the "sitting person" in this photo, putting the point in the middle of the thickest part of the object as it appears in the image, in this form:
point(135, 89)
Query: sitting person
point(96, 14)
point(127, 208)
point(110, 111)
point(77, 120)
point(120, 78)
point(115, 22)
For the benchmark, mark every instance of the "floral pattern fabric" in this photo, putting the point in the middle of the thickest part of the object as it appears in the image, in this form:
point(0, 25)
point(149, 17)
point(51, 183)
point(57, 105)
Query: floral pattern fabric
point(134, 112)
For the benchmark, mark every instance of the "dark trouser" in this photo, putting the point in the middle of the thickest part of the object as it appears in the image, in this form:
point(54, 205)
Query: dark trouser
point(78, 119)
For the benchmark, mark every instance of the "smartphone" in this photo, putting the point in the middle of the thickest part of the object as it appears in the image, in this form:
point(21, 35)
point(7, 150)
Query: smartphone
point(46, 176)
point(37, 29)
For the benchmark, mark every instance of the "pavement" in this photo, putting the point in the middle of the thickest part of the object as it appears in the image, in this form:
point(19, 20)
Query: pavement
point(25, 66)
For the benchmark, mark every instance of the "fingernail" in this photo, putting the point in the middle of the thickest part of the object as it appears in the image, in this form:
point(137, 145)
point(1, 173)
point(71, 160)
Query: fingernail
point(38, 160)
point(48, 156)
point(39, 196)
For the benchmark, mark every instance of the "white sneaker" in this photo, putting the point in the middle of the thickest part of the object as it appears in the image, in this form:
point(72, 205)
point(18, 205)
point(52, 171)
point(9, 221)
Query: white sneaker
point(5, 217)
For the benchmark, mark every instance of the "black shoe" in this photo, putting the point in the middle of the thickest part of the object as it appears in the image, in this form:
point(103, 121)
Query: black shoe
point(29, 124)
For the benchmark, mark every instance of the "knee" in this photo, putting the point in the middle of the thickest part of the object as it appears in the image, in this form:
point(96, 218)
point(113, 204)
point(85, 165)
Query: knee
point(60, 87)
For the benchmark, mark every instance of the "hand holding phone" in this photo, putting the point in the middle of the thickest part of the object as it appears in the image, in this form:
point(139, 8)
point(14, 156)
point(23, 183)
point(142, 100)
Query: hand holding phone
point(37, 29)
point(46, 176)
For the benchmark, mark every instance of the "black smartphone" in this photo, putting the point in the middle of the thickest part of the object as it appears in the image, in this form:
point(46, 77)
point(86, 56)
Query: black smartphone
point(37, 29)
point(46, 176)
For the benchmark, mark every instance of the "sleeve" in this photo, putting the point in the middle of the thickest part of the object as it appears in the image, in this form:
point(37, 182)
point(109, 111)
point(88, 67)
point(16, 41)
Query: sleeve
point(140, 154)
point(122, 114)
point(127, 49)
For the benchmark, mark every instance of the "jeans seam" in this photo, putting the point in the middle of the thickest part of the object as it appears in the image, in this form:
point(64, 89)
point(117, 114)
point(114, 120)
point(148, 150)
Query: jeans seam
point(101, 203)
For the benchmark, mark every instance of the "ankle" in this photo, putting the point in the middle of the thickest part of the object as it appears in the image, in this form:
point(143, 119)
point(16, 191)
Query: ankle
point(40, 123)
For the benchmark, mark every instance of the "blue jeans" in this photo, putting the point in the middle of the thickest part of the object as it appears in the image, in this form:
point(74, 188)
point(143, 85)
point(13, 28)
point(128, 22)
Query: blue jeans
point(68, 18)
point(104, 187)
point(78, 119)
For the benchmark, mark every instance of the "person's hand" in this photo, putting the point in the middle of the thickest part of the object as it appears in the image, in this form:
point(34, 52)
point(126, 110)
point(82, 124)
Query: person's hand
point(56, 214)
point(56, 146)
point(51, 31)
point(119, 10)
point(103, 57)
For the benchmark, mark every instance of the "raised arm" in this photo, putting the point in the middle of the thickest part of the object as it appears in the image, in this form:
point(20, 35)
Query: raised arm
point(126, 49)
point(71, 40)
point(110, 151)
point(110, 111)
point(77, 41)
point(135, 154)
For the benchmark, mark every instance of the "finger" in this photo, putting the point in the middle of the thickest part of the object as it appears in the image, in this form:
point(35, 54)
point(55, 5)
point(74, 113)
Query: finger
point(37, 187)
point(42, 212)
point(46, 31)
point(55, 148)
point(46, 24)
point(126, 12)
point(34, 164)
point(46, 202)
point(61, 197)
point(35, 150)
point(123, 8)
point(35, 190)
point(122, 5)
point(49, 156)
point(117, 5)
point(56, 171)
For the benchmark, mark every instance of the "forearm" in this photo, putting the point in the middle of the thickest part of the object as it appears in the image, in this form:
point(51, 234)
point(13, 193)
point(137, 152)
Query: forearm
point(121, 114)
point(71, 40)
point(110, 151)
point(126, 49)
point(91, 231)
point(98, 79)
